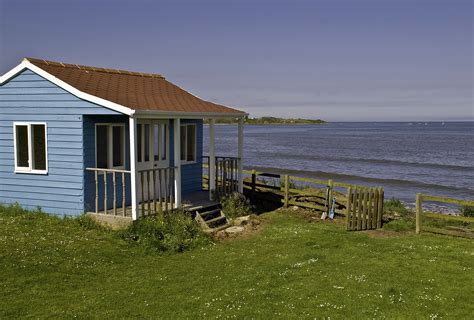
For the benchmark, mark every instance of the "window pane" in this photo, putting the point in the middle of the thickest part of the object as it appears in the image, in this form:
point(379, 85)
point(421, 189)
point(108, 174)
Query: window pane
point(117, 136)
point(39, 146)
point(191, 143)
point(156, 142)
point(183, 142)
point(164, 135)
point(147, 142)
point(22, 146)
point(139, 143)
point(102, 145)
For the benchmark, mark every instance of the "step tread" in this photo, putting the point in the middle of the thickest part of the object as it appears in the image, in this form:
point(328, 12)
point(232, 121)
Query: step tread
point(210, 213)
point(215, 219)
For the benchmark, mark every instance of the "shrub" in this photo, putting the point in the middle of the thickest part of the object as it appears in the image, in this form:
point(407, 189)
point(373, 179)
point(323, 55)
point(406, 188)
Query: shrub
point(396, 207)
point(467, 211)
point(171, 232)
point(236, 205)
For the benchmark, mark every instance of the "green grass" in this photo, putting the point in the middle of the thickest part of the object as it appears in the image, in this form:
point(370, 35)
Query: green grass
point(65, 268)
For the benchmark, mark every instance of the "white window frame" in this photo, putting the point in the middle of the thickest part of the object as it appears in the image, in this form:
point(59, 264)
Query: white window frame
point(185, 145)
point(30, 169)
point(110, 151)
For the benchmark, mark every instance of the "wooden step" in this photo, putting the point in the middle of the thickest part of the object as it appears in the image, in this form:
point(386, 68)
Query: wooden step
point(210, 214)
point(220, 220)
point(211, 218)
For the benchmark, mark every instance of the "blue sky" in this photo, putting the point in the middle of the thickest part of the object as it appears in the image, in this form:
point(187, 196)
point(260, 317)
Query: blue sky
point(346, 60)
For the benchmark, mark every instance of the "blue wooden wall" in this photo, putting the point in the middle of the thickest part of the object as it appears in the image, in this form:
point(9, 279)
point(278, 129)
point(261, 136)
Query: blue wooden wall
point(29, 97)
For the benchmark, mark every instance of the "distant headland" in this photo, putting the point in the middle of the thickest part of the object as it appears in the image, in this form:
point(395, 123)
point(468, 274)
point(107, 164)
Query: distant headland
point(271, 120)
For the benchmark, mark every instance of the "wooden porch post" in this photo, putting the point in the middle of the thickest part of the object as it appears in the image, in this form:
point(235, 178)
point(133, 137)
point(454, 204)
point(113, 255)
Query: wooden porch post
point(133, 165)
point(241, 154)
point(177, 161)
point(212, 160)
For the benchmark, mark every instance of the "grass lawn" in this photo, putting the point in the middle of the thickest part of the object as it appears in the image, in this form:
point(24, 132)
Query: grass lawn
point(51, 267)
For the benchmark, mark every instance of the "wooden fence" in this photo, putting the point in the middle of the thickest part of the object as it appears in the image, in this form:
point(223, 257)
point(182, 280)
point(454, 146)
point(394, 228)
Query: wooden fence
point(420, 198)
point(284, 191)
point(364, 209)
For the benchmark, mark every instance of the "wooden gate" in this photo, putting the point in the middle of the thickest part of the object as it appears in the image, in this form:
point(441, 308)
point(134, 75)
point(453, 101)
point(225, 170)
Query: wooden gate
point(364, 208)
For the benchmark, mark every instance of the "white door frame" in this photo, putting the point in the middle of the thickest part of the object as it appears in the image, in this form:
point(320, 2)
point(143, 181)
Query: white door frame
point(163, 150)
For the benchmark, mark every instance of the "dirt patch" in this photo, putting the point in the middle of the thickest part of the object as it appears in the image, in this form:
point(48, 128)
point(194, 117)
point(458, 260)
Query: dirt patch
point(312, 216)
point(243, 227)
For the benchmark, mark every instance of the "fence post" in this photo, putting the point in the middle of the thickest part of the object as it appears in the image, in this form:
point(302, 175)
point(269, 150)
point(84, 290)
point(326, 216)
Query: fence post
point(419, 210)
point(254, 179)
point(287, 190)
point(348, 208)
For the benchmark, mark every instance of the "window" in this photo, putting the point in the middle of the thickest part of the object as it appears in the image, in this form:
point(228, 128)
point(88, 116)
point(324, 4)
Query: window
point(110, 146)
point(188, 143)
point(30, 148)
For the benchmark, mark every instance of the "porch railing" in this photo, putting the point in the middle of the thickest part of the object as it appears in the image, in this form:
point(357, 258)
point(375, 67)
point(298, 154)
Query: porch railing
point(102, 175)
point(156, 190)
point(227, 174)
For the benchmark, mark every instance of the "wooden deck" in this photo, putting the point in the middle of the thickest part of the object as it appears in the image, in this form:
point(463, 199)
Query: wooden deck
point(190, 202)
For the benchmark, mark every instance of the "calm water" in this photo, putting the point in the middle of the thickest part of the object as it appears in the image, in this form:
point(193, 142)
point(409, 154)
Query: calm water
point(404, 158)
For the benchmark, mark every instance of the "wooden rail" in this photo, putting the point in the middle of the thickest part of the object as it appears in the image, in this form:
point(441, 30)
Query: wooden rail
point(156, 190)
point(105, 173)
point(227, 174)
point(420, 198)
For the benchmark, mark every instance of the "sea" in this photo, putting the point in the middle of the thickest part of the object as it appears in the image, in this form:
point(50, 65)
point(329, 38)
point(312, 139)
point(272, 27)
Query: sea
point(405, 158)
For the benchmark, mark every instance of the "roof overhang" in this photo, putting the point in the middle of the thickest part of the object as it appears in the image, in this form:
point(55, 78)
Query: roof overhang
point(25, 64)
point(187, 115)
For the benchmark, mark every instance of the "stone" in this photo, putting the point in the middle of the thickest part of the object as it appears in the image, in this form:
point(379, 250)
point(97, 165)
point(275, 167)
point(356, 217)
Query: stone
point(234, 230)
point(219, 235)
point(241, 220)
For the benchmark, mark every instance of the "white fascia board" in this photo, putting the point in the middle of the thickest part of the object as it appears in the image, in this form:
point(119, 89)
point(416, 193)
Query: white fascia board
point(187, 115)
point(25, 64)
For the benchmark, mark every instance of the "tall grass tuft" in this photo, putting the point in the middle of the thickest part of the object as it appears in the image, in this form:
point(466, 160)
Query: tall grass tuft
point(467, 211)
point(236, 205)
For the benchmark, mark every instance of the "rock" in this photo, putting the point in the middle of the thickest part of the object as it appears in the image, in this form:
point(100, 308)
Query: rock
point(219, 235)
point(241, 221)
point(231, 231)
point(294, 208)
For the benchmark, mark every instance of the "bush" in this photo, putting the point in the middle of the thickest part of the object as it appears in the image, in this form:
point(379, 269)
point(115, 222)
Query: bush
point(236, 205)
point(397, 208)
point(467, 211)
point(171, 232)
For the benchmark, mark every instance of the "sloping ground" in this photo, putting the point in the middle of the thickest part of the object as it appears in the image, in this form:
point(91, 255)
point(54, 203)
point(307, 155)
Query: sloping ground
point(291, 269)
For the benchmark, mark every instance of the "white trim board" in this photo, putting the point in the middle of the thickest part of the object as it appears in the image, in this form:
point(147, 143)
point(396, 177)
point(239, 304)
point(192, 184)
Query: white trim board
point(25, 64)
point(29, 169)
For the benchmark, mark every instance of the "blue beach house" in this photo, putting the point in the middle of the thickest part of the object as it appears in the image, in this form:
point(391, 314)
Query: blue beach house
point(77, 139)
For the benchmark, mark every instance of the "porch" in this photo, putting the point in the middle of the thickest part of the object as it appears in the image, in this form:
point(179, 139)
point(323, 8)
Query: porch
point(159, 187)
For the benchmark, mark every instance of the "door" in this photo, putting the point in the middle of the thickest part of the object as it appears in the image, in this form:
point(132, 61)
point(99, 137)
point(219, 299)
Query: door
point(152, 153)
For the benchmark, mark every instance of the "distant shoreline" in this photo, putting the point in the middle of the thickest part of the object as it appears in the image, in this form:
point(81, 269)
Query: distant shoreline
point(270, 121)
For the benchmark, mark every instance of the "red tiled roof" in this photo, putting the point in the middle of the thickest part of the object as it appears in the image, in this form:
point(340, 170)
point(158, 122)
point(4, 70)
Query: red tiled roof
point(134, 90)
